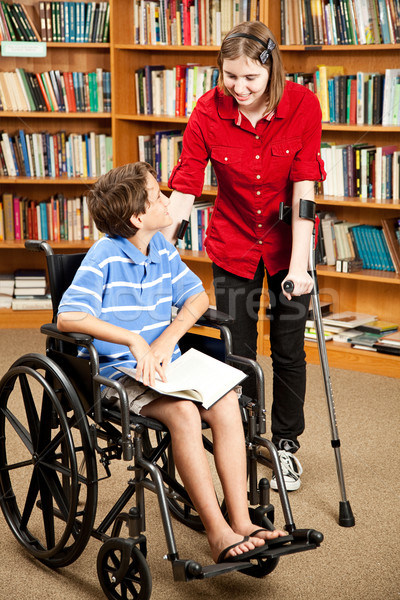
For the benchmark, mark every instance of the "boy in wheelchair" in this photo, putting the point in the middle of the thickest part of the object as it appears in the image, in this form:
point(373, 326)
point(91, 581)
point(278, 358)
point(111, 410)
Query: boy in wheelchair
point(122, 295)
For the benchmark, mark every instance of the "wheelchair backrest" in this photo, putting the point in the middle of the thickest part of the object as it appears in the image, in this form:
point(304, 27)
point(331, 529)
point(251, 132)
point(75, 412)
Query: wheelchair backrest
point(62, 269)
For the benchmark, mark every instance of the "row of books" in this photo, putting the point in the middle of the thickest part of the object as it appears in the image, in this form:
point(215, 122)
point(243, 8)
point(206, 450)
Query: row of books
point(16, 23)
point(81, 22)
point(189, 22)
point(162, 151)
point(357, 99)
point(55, 155)
point(53, 91)
point(362, 98)
point(56, 219)
point(352, 247)
point(361, 170)
point(335, 22)
point(172, 92)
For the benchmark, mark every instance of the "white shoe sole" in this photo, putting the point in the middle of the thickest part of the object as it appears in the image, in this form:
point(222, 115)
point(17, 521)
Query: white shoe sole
point(291, 486)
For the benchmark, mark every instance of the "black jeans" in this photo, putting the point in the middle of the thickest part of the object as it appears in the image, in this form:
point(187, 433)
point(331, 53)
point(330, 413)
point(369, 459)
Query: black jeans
point(240, 298)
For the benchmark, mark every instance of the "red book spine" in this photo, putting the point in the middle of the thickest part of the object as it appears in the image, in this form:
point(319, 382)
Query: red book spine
point(46, 100)
point(17, 218)
point(69, 89)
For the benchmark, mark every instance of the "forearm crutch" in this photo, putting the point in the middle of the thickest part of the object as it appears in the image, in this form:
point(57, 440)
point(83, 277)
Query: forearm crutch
point(307, 211)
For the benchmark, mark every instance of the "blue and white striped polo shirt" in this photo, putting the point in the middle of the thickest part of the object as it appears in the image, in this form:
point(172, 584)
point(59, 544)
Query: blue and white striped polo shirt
point(118, 284)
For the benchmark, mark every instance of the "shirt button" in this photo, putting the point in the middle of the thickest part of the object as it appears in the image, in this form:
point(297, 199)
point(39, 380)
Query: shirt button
point(226, 158)
point(287, 151)
point(259, 225)
point(258, 193)
point(258, 176)
point(257, 137)
point(260, 242)
point(259, 212)
point(257, 157)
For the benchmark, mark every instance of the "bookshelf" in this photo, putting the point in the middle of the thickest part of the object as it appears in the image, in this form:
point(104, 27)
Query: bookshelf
point(364, 291)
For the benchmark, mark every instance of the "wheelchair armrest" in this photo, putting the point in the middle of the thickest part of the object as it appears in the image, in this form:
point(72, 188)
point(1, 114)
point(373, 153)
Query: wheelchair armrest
point(51, 330)
point(214, 318)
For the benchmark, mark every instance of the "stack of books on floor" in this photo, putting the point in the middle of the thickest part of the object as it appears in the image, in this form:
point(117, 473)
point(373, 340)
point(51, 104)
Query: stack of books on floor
point(362, 331)
point(6, 289)
point(30, 291)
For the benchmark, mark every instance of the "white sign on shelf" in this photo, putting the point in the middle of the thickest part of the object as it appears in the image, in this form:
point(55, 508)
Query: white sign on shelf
point(24, 49)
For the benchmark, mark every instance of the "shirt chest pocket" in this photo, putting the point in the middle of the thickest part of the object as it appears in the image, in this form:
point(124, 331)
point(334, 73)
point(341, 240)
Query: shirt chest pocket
point(227, 161)
point(284, 152)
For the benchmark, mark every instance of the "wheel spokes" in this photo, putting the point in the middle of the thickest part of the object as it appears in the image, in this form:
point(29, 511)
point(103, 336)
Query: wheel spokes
point(47, 511)
point(19, 429)
point(30, 500)
point(30, 409)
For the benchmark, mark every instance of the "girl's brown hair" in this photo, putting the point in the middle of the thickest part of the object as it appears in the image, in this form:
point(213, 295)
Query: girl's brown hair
point(235, 47)
point(117, 195)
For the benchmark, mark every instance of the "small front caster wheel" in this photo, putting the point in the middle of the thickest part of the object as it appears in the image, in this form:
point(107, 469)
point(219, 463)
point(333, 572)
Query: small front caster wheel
point(123, 571)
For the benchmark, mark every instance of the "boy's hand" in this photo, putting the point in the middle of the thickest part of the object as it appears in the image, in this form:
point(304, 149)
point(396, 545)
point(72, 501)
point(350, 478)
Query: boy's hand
point(162, 349)
point(148, 363)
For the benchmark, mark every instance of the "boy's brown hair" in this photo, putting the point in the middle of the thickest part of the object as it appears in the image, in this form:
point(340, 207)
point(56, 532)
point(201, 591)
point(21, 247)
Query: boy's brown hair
point(117, 196)
point(237, 47)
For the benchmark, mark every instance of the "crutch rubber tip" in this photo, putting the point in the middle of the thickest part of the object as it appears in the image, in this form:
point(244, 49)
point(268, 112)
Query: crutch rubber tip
point(346, 518)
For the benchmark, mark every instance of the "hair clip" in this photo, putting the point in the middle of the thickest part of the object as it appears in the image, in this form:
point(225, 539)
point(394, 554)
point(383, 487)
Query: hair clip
point(265, 54)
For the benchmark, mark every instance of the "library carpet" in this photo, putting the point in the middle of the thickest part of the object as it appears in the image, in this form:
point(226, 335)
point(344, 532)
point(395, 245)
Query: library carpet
point(358, 563)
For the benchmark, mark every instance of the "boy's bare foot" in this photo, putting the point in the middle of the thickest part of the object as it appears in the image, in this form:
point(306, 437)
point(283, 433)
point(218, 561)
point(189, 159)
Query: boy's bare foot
point(255, 532)
point(234, 544)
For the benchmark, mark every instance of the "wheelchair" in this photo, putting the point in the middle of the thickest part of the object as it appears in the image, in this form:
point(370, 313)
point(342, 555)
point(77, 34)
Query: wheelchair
point(61, 430)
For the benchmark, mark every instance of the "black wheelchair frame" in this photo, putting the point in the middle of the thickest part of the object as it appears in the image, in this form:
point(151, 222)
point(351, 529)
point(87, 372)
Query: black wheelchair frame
point(62, 427)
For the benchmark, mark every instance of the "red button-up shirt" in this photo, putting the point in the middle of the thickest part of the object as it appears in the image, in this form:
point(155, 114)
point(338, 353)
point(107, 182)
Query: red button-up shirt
point(255, 169)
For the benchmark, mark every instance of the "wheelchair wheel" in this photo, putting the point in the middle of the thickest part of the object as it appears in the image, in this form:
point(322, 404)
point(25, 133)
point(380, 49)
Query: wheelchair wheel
point(123, 571)
point(47, 501)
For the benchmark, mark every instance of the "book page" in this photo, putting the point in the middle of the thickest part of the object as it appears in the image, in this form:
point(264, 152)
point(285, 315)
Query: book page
point(196, 376)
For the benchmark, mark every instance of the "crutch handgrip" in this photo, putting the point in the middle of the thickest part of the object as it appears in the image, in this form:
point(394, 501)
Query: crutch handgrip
point(288, 286)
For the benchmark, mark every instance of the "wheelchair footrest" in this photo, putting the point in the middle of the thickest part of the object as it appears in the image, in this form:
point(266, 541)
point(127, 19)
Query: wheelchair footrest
point(299, 541)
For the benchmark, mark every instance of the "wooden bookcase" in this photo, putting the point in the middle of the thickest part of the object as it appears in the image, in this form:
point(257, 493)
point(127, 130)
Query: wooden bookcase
point(365, 291)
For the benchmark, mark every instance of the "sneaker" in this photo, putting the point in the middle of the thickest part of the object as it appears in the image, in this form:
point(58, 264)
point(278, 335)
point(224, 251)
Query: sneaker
point(291, 470)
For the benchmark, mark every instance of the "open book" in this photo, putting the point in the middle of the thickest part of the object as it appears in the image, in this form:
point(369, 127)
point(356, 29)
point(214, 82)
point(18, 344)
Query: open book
point(196, 376)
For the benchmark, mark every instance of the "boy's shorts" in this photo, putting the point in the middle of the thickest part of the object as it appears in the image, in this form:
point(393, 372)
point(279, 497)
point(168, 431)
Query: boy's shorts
point(139, 395)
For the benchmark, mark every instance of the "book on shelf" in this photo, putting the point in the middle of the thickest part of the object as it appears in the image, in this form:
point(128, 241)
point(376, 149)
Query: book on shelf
point(339, 22)
point(348, 265)
point(196, 376)
point(24, 276)
point(56, 219)
point(391, 231)
point(392, 339)
point(348, 319)
point(6, 289)
point(379, 327)
point(172, 92)
point(16, 23)
point(31, 303)
point(362, 170)
point(74, 22)
point(387, 348)
point(55, 155)
point(54, 91)
point(310, 334)
point(347, 335)
point(200, 23)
